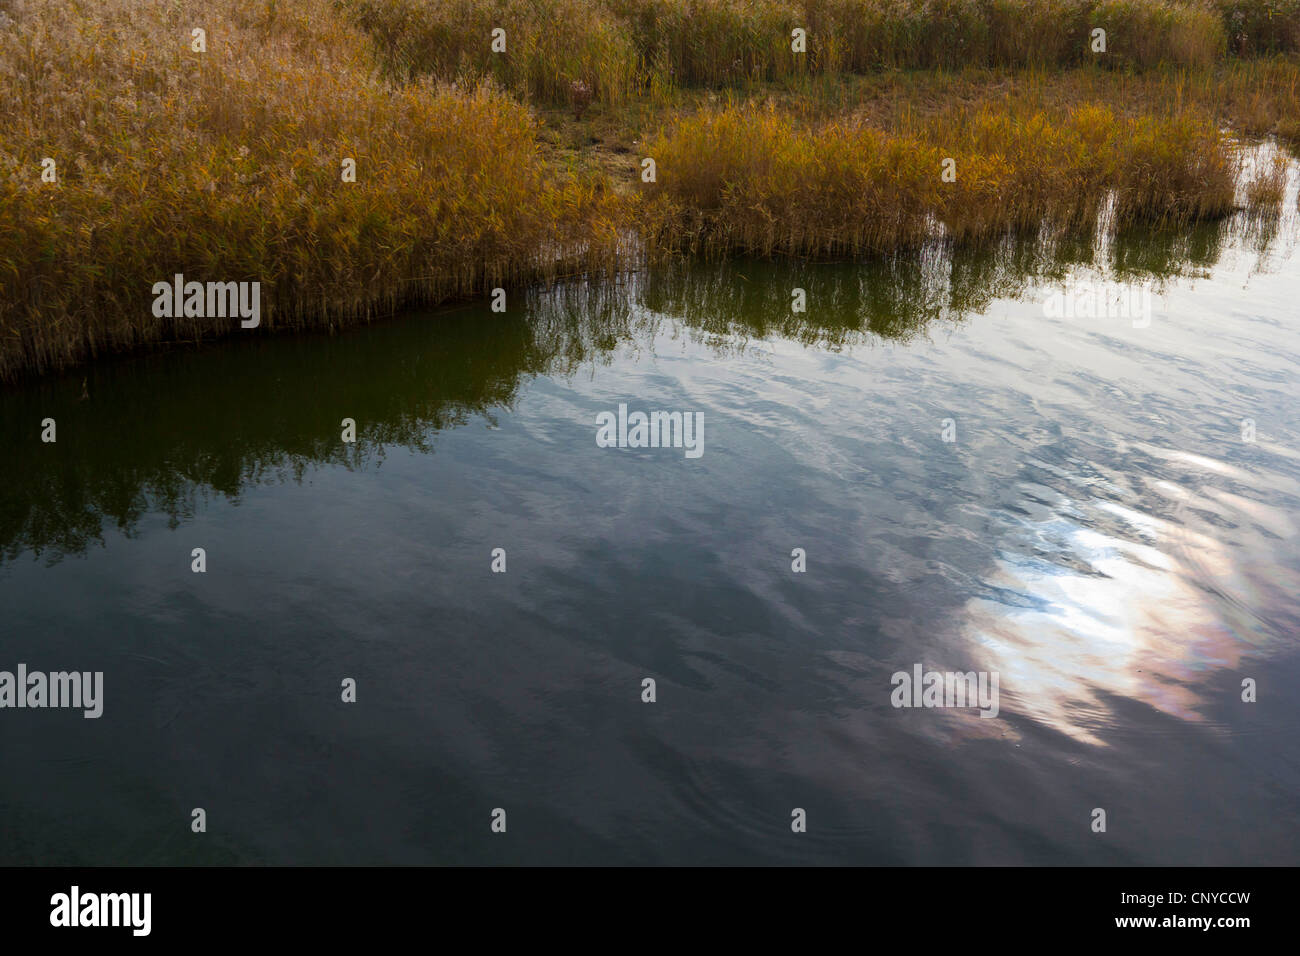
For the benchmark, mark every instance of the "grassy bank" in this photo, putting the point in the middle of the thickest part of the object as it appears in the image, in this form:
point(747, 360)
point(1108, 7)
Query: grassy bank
point(476, 170)
point(228, 165)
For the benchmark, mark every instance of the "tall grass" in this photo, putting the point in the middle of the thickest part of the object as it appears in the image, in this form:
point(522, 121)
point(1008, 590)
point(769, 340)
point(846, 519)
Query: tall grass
point(1147, 33)
point(744, 179)
point(714, 43)
point(226, 166)
point(551, 46)
point(615, 47)
point(1260, 26)
point(753, 180)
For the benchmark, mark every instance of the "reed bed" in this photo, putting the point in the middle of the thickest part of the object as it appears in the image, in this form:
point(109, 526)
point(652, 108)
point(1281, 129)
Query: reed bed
point(1146, 33)
point(552, 48)
point(752, 180)
point(614, 49)
point(227, 166)
point(1260, 26)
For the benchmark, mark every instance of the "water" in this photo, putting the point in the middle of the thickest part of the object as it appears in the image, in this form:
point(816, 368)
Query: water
point(1099, 534)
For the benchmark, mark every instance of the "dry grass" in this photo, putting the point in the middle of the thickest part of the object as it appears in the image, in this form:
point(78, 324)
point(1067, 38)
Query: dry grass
point(550, 45)
point(752, 179)
point(623, 47)
point(1260, 26)
point(1255, 98)
point(226, 166)
point(1266, 188)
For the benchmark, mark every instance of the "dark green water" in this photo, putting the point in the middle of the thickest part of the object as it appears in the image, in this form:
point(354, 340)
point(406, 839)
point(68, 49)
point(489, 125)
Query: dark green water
point(1099, 535)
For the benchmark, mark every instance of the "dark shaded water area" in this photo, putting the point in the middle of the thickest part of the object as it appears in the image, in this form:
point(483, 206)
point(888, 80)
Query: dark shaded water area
point(1099, 509)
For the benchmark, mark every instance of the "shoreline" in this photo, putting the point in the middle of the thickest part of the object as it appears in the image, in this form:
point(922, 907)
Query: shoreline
point(227, 169)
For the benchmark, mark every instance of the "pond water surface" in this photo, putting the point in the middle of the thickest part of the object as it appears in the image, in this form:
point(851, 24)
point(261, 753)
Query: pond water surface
point(1111, 530)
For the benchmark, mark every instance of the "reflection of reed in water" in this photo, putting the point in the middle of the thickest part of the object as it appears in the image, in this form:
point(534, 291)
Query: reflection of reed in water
point(159, 432)
point(899, 297)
